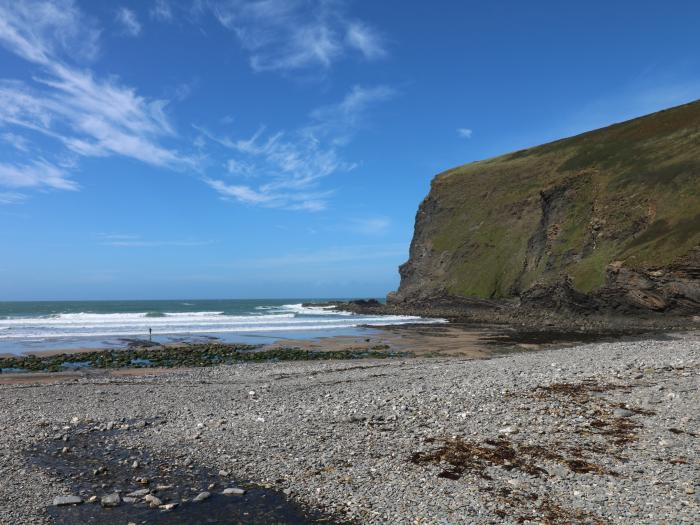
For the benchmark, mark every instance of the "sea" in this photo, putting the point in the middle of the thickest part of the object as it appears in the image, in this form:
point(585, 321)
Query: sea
point(27, 327)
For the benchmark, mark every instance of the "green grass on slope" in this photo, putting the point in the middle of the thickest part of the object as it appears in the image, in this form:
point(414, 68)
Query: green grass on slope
point(629, 193)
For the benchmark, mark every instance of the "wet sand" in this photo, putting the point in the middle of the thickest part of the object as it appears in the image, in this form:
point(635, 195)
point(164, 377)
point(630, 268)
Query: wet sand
point(463, 341)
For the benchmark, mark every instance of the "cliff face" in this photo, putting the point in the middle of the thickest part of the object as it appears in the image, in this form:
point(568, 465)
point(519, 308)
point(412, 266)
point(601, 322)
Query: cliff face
point(607, 219)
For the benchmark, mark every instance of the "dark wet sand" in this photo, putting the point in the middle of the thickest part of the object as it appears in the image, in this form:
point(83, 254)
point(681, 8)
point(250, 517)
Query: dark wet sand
point(462, 341)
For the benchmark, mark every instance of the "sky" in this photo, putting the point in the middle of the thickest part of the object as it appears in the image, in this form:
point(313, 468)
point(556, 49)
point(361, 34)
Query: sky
point(280, 148)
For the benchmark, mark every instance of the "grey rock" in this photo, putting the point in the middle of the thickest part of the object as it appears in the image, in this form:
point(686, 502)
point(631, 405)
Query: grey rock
point(201, 496)
point(623, 412)
point(153, 501)
point(111, 500)
point(60, 501)
point(233, 491)
point(139, 493)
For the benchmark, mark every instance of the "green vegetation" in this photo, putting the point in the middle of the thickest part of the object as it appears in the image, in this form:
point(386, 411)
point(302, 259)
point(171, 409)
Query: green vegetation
point(628, 193)
point(184, 356)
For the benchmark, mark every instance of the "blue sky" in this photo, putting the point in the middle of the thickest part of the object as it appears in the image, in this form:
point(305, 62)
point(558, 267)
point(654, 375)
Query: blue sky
point(280, 148)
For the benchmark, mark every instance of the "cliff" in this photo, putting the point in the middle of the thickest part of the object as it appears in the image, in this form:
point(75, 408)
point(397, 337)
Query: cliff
point(606, 220)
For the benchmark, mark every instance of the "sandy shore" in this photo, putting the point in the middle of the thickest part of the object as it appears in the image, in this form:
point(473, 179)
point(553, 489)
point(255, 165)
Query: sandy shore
point(598, 433)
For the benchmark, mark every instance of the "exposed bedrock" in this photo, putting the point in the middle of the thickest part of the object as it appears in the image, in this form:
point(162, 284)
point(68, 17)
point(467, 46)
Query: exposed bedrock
point(607, 221)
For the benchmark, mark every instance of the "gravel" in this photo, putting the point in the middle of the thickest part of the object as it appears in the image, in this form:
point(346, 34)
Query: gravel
point(599, 433)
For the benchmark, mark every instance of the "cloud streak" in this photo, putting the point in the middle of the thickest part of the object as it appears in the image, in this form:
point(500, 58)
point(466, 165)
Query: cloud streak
point(464, 133)
point(88, 116)
point(288, 35)
point(290, 166)
point(135, 241)
point(37, 174)
point(11, 197)
point(162, 11)
point(129, 22)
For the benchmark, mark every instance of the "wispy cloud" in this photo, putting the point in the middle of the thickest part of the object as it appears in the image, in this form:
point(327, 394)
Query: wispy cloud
point(11, 197)
point(161, 11)
point(128, 21)
point(324, 257)
point(366, 40)
point(290, 165)
point(40, 30)
point(136, 241)
point(464, 133)
point(369, 226)
point(339, 121)
point(37, 174)
point(19, 142)
point(87, 115)
point(286, 35)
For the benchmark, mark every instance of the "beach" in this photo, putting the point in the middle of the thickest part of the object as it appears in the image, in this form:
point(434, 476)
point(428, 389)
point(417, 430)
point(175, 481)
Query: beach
point(595, 433)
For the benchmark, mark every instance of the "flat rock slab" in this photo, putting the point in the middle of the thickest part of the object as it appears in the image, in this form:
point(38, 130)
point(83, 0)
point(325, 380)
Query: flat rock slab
point(60, 501)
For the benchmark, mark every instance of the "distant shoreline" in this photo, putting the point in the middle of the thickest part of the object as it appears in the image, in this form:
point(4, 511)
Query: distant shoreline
point(454, 340)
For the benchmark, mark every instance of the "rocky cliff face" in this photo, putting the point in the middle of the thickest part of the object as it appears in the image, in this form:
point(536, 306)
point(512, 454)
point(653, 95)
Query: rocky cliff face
point(605, 220)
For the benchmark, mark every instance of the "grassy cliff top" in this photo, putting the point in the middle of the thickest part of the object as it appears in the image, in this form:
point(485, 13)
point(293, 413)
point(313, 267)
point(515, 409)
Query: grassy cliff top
point(626, 195)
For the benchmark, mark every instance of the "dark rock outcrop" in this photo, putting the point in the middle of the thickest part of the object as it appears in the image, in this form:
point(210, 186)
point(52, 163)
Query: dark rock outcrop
point(607, 221)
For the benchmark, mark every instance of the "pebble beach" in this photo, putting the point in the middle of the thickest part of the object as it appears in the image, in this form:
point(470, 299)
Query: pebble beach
point(597, 433)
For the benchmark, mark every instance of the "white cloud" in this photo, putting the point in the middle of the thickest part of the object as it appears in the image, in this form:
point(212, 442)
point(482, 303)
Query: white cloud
point(324, 257)
point(366, 40)
point(11, 197)
point(342, 119)
point(17, 141)
point(39, 30)
point(289, 166)
point(285, 35)
point(237, 167)
point(369, 226)
point(91, 117)
point(87, 115)
point(37, 174)
point(464, 133)
point(129, 22)
point(161, 11)
point(136, 241)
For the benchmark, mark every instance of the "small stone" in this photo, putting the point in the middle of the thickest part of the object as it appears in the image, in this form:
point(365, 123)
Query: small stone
point(153, 501)
point(139, 493)
point(622, 412)
point(201, 496)
point(92, 499)
point(65, 450)
point(223, 473)
point(112, 500)
point(690, 490)
point(127, 499)
point(60, 501)
point(168, 506)
point(135, 464)
point(508, 430)
point(233, 491)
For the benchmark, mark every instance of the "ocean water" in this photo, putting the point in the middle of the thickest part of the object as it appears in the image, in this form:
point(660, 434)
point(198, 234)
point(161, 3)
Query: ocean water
point(34, 326)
